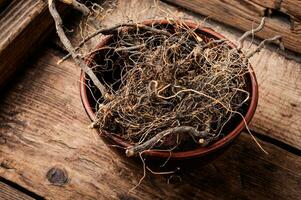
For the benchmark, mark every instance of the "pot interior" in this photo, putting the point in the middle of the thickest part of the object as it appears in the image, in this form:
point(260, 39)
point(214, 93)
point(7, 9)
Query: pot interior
point(112, 77)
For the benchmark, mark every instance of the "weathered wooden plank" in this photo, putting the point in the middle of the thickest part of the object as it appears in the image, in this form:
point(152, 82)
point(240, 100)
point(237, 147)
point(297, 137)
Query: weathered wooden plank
point(44, 126)
point(274, 4)
point(289, 7)
point(23, 24)
point(243, 15)
point(279, 107)
point(292, 7)
point(296, 26)
point(9, 193)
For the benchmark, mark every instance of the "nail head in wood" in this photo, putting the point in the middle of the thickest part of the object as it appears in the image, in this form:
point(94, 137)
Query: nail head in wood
point(57, 176)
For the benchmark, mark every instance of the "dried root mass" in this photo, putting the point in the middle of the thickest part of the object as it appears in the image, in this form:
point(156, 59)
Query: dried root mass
point(171, 91)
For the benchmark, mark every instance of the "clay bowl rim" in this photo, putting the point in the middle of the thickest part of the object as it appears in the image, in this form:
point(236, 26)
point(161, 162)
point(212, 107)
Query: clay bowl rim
point(198, 152)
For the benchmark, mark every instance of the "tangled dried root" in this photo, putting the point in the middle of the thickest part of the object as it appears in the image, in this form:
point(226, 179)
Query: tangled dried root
point(165, 87)
point(169, 91)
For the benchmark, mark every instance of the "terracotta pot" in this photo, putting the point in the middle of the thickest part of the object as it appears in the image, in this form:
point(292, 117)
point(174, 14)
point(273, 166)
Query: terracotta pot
point(204, 152)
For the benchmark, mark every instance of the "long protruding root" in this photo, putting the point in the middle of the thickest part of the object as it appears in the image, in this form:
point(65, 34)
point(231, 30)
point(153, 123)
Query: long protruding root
point(276, 39)
point(59, 23)
point(135, 150)
point(241, 40)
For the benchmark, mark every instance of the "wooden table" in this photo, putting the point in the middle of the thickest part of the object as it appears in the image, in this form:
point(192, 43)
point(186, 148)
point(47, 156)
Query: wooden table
point(47, 151)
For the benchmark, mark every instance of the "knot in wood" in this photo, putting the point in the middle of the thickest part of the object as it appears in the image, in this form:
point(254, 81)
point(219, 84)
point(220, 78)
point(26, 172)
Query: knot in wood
point(57, 176)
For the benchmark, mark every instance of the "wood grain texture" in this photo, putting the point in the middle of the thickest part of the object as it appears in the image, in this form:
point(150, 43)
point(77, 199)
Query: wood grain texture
point(289, 7)
point(9, 193)
point(44, 126)
point(297, 26)
point(274, 4)
point(244, 15)
point(292, 8)
point(23, 24)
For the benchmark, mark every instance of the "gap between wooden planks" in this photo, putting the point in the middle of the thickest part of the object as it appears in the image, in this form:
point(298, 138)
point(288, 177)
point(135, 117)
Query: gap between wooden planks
point(9, 193)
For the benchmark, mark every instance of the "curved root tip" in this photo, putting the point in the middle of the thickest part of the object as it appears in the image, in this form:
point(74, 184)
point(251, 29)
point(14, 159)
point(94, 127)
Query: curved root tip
point(92, 125)
point(281, 45)
point(129, 152)
point(276, 39)
point(241, 40)
point(67, 2)
point(108, 97)
point(59, 62)
point(201, 141)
